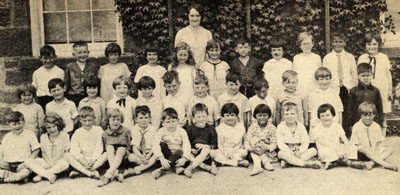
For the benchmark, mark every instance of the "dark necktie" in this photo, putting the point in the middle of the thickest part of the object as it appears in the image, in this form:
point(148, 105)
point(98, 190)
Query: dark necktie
point(142, 145)
point(372, 59)
point(121, 102)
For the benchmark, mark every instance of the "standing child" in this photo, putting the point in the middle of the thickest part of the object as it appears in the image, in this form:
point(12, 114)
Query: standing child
point(214, 68)
point(112, 70)
point(290, 93)
point(367, 136)
point(293, 140)
point(262, 96)
point(183, 63)
point(92, 86)
point(142, 136)
point(17, 147)
point(174, 99)
point(86, 146)
point(203, 139)
point(171, 145)
point(364, 91)
point(381, 75)
point(232, 95)
point(152, 69)
point(61, 105)
point(54, 144)
point(45, 73)
point(33, 112)
point(247, 65)
point(116, 141)
point(231, 134)
point(275, 67)
point(146, 86)
point(201, 96)
point(77, 71)
point(332, 143)
point(306, 63)
point(125, 103)
point(261, 140)
point(324, 94)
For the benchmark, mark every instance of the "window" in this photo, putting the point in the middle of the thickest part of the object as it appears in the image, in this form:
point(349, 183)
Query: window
point(61, 23)
point(393, 40)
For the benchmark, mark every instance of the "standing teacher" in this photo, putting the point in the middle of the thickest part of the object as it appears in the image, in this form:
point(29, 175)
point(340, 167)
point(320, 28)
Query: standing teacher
point(195, 35)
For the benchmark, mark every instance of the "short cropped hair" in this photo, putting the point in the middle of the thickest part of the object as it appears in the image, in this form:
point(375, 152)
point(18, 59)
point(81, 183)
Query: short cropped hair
point(54, 118)
point(303, 36)
point(122, 80)
point(364, 68)
point(288, 74)
point(200, 78)
point(54, 82)
point(170, 76)
point(112, 113)
point(143, 109)
point(213, 44)
point(92, 81)
point(339, 35)
point(79, 44)
point(289, 106)
point(368, 37)
point(262, 108)
point(26, 88)
point(276, 42)
point(15, 117)
point(325, 107)
point(47, 51)
point(86, 111)
point(233, 76)
point(197, 7)
point(199, 107)
point(229, 108)
point(242, 41)
point(169, 113)
point(261, 83)
point(366, 106)
point(146, 82)
point(322, 72)
point(113, 48)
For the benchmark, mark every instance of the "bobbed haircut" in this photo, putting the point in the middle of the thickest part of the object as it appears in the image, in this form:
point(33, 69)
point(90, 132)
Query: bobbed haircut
point(262, 108)
point(122, 80)
point(47, 51)
point(54, 118)
point(261, 83)
point(146, 82)
point(112, 48)
point(169, 113)
point(322, 72)
point(233, 76)
point(229, 108)
point(26, 88)
point(368, 37)
point(366, 106)
point(325, 107)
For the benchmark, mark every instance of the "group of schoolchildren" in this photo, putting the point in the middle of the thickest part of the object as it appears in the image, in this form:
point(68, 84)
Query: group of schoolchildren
point(199, 116)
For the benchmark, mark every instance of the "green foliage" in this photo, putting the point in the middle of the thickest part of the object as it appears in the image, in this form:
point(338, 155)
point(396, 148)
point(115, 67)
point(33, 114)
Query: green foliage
point(146, 21)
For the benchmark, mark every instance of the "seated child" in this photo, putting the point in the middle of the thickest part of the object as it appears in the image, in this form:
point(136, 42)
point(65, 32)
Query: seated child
point(54, 144)
point(33, 112)
point(329, 136)
point(262, 96)
point(146, 86)
point(293, 140)
point(367, 136)
point(61, 105)
point(203, 139)
point(86, 146)
point(201, 96)
point(261, 140)
point(142, 136)
point(275, 67)
point(117, 140)
point(125, 103)
point(46, 72)
point(171, 145)
point(232, 95)
point(173, 100)
point(92, 86)
point(231, 134)
point(290, 93)
point(17, 147)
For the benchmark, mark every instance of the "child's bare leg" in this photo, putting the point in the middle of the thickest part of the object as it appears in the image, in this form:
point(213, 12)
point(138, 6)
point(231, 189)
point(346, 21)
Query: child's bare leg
point(150, 163)
point(201, 157)
point(257, 164)
point(266, 162)
point(375, 158)
point(76, 164)
point(37, 166)
point(291, 159)
point(59, 167)
point(384, 125)
point(99, 162)
point(133, 158)
point(219, 157)
point(115, 162)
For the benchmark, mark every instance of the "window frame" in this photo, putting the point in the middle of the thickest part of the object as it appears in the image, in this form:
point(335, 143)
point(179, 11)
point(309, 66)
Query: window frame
point(65, 49)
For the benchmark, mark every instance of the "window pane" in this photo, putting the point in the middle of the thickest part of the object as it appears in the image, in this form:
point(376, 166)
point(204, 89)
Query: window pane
point(103, 4)
point(78, 4)
point(104, 26)
point(53, 5)
point(55, 28)
point(79, 27)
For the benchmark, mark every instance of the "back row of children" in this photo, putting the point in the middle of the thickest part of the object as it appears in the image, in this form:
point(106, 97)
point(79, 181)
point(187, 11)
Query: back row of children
point(182, 81)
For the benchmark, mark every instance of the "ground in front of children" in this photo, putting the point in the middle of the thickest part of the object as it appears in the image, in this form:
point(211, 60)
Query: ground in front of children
point(341, 180)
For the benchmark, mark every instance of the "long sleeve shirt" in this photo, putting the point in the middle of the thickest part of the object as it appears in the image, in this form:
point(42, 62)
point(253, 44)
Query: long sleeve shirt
point(87, 143)
point(176, 140)
point(206, 135)
point(74, 77)
point(286, 136)
point(249, 72)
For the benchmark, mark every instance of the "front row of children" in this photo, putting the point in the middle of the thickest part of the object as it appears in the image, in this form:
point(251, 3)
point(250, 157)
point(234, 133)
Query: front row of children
point(175, 148)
